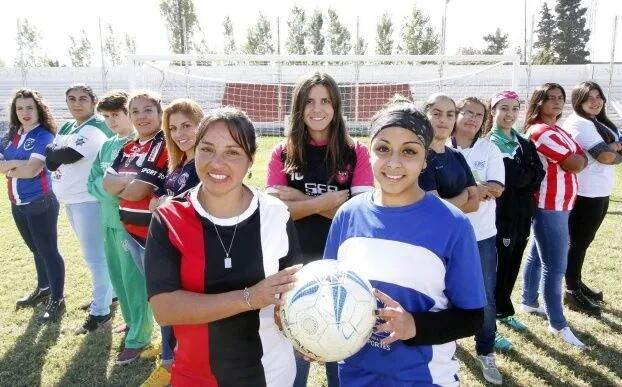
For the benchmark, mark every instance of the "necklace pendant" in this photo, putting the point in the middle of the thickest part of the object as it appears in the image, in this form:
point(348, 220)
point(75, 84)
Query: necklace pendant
point(227, 263)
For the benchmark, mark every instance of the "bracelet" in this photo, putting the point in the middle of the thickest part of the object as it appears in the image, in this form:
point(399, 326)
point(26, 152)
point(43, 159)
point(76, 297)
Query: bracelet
point(246, 293)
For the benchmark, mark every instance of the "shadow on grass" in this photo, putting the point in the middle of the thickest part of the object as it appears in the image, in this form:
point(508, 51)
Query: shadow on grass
point(601, 354)
point(23, 364)
point(610, 310)
point(469, 360)
point(528, 364)
point(613, 325)
point(592, 375)
point(89, 363)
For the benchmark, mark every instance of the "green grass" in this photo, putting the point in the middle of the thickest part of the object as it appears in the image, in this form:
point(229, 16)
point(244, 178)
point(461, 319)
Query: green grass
point(31, 354)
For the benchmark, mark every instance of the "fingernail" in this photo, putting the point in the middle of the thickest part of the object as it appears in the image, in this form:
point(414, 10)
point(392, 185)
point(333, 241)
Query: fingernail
point(376, 312)
point(374, 329)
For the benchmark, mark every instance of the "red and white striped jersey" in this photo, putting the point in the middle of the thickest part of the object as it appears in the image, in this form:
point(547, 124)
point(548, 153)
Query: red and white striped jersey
point(558, 190)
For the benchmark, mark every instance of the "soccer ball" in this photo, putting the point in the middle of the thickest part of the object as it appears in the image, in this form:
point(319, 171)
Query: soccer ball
point(329, 314)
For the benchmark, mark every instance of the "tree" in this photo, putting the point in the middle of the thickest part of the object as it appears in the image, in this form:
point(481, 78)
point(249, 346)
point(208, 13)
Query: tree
point(297, 33)
point(361, 47)
point(28, 42)
point(174, 13)
point(229, 38)
point(545, 37)
point(497, 43)
point(112, 47)
point(338, 36)
point(418, 36)
point(384, 35)
point(130, 44)
point(80, 50)
point(314, 32)
point(259, 38)
point(572, 35)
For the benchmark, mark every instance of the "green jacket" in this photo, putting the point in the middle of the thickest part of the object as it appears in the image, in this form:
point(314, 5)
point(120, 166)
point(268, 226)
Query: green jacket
point(109, 203)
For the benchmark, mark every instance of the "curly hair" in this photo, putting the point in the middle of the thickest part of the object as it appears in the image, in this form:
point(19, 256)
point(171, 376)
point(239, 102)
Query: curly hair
point(43, 112)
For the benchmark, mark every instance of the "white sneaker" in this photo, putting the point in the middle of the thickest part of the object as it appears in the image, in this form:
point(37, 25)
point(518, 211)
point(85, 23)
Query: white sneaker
point(489, 369)
point(568, 337)
point(530, 309)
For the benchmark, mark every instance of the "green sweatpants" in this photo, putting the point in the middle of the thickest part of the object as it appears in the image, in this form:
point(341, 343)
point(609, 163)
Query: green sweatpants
point(129, 284)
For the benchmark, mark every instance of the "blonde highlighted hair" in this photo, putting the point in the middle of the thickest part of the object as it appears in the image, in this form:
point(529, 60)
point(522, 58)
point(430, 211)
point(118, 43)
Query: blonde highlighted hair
point(193, 112)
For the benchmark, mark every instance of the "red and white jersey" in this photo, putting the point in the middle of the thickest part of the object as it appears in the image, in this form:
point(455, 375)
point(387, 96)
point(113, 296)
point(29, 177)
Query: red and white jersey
point(558, 190)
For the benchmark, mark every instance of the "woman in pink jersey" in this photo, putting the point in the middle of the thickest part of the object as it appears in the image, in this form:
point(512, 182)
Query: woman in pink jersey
point(315, 170)
point(562, 159)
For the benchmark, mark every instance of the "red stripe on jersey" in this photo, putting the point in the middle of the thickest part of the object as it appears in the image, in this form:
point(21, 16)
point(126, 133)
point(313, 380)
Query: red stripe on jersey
point(9, 186)
point(570, 191)
point(45, 184)
point(192, 358)
point(551, 186)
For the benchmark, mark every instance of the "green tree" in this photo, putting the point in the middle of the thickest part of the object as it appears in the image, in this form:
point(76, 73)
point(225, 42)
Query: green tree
point(314, 32)
point(572, 35)
point(130, 44)
point(384, 35)
point(497, 43)
point(338, 36)
point(296, 32)
point(418, 36)
point(545, 33)
point(29, 45)
point(112, 47)
point(229, 38)
point(174, 13)
point(259, 38)
point(80, 50)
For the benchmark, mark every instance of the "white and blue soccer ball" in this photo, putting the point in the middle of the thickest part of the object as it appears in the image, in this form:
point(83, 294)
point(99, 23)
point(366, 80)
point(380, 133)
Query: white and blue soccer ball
point(329, 314)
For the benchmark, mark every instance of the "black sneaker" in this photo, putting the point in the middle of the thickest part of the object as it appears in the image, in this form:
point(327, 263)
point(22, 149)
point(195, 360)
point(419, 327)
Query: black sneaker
point(579, 302)
point(594, 294)
point(53, 310)
point(35, 297)
point(92, 323)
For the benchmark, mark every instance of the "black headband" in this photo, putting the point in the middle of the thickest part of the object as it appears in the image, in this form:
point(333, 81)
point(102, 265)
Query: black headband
point(401, 119)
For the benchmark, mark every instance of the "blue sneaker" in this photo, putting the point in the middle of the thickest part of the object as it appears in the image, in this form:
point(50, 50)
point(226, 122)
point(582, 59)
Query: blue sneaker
point(514, 323)
point(501, 343)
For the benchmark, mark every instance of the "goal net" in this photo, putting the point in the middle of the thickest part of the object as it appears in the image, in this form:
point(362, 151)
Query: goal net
point(262, 85)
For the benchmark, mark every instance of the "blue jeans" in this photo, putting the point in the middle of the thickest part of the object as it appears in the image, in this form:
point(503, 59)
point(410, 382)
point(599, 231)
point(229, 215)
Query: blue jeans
point(485, 338)
point(37, 224)
point(137, 251)
point(168, 343)
point(546, 263)
point(85, 219)
point(302, 372)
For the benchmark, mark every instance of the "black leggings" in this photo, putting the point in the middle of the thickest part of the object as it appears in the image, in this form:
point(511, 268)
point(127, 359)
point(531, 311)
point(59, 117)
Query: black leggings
point(585, 219)
point(512, 237)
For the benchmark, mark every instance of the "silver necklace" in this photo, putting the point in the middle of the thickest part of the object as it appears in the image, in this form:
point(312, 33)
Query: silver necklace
point(228, 263)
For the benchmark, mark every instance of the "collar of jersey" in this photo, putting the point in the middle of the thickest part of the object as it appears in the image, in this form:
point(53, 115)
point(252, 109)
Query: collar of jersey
point(78, 127)
point(194, 200)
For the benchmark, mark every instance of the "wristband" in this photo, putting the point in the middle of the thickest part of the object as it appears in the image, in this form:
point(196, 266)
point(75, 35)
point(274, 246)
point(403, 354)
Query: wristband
point(246, 293)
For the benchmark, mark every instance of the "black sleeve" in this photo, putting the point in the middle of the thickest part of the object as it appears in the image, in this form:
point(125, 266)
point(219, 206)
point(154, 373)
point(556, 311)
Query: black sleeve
point(55, 156)
point(536, 165)
point(294, 254)
point(162, 260)
point(446, 325)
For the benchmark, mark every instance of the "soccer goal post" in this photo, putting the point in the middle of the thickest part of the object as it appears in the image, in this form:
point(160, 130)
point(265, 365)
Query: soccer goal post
point(262, 85)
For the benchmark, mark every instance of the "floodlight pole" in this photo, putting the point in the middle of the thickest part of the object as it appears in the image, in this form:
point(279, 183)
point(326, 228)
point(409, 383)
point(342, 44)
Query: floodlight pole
point(101, 49)
point(613, 54)
point(443, 42)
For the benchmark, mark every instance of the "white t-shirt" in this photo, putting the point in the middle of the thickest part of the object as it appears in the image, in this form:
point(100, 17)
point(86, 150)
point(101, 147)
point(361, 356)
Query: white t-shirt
point(597, 179)
point(486, 163)
point(69, 180)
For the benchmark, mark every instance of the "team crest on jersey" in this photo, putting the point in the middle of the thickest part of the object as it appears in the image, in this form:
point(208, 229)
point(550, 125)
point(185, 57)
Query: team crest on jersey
point(29, 144)
point(506, 242)
point(342, 176)
point(183, 179)
point(81, 140)
point(154, 152)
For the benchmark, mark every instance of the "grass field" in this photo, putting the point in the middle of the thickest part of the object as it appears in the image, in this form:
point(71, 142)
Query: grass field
point(32, 354)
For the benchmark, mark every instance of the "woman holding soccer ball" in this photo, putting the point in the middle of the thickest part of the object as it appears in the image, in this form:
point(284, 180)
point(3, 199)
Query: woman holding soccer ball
point(418, 252)
point(315, 170)
point(214, 261)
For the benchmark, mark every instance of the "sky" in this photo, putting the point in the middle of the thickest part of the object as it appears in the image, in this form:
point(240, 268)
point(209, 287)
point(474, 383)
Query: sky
point(467, 21)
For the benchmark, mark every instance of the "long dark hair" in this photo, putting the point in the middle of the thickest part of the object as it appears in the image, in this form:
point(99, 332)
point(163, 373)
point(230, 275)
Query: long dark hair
point(297, 137)
point(43, 111)
point(537, 99)
point(579, 95)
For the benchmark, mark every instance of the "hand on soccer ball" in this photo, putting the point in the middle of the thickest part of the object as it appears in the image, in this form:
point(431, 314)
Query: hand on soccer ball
point(398, 323)
point(264, 292)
